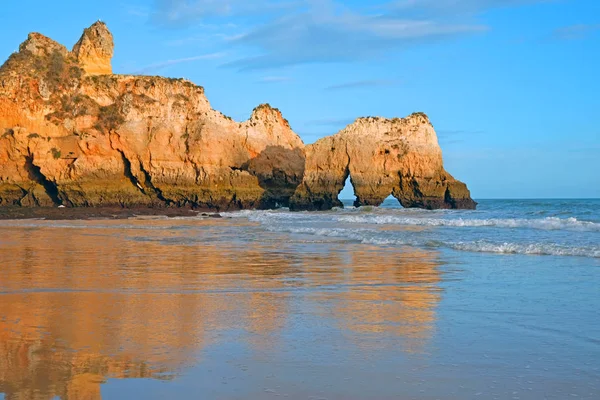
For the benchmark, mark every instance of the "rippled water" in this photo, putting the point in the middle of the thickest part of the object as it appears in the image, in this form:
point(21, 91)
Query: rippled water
point(503, 302)
point(544, 227)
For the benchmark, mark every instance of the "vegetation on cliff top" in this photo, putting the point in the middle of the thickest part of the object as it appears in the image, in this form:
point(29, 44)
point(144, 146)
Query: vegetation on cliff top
point(109, 118)
point(57, 71)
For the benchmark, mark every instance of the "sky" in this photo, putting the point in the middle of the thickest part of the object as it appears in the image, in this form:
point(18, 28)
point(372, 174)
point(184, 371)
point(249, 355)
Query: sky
point(511, 86)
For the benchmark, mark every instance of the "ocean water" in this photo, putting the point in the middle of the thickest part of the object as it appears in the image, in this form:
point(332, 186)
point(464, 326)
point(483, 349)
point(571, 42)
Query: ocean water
point(542, 227)
point(370, 303)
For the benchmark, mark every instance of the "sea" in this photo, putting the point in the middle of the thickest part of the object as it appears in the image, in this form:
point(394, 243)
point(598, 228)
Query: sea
point(502, 302)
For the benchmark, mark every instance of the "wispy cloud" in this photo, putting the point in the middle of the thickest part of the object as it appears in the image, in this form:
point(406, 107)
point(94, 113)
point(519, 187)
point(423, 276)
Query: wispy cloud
point(159, 65)
point(198, 39)
point(274, 79)
point(453, 7)
point(291, 32)
point(330, 32)
point(183, 12)
point(572, 32)
point(362, 84)
point(136, 11)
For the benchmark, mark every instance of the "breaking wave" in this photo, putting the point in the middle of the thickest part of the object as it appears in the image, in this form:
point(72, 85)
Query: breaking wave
point(370, 236)
point(533, 249)
point(550, 223)
point(480, 232)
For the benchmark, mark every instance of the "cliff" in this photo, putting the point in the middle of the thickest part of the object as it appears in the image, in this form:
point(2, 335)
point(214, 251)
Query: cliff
point(73, 134)
point(382, 157)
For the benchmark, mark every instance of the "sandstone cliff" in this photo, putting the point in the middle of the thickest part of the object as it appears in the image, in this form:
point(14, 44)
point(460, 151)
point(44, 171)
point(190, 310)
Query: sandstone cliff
point(94, 51)
point(400, 157)
point(73, 134)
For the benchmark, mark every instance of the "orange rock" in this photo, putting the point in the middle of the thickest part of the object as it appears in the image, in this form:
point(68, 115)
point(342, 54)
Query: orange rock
point(382, 157)
point(71, 133)
point(94, 50)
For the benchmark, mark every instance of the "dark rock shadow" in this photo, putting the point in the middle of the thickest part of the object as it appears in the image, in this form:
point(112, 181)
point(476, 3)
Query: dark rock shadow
point(279, 171)
point(35, 174)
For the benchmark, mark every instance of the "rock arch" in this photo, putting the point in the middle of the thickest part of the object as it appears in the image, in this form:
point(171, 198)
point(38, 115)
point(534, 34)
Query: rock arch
point(401, 157)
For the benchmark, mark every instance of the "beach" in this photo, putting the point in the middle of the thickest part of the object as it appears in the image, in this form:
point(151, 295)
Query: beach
point(371, 303)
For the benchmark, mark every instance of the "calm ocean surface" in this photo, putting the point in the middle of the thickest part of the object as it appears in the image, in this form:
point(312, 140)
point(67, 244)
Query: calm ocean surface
point(370, 303)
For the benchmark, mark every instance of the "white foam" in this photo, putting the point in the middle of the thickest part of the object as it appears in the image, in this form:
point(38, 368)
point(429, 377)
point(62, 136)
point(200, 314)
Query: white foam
point(550, 223)
point(369, 236)
point(534, 249)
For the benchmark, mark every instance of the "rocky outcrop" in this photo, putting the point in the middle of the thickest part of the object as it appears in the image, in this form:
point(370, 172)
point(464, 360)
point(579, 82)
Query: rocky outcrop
point(382, 157)
point(41, 46)
point(73, 134)
point(94, 51)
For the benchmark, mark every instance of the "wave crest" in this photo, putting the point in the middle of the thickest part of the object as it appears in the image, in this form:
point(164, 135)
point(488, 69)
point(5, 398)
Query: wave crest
point(550, 223)
point(369, 236)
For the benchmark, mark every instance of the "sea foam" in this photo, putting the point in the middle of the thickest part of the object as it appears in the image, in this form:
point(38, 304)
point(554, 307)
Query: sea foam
point(550, 223)
point(368, 236)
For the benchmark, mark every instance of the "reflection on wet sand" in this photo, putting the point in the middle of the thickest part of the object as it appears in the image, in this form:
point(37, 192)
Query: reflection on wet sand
point(387, 292)
point(81, 302)
point(406, 307)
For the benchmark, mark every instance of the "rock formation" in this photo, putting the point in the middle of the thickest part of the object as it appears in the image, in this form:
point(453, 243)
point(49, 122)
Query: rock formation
point(401, 157)
point(94, 51)
point(73, 134)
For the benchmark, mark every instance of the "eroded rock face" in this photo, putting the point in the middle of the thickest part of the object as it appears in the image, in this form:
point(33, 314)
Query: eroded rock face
point(94, 51)
point(78, 139)
point(73, 134)
point(41, 46)
point(382, 157)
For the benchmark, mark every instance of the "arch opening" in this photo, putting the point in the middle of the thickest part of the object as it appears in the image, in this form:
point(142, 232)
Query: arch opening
point(392, 202)
point(347, 195)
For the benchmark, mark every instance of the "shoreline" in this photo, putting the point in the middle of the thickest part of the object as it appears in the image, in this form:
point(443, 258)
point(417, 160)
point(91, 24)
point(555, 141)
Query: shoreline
point(94, 213)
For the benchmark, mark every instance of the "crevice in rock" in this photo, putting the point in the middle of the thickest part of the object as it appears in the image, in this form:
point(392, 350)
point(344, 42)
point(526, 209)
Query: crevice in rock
point(128, 174)
point(148, 188)
point(448, 198)
point(35, 174)
point(157, 192)
point(24, 194)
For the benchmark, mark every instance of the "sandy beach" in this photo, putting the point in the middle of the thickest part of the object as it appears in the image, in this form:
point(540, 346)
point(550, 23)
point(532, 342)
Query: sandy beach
point(235, 309)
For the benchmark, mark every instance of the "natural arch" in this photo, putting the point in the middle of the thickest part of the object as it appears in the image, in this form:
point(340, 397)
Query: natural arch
point(348, 195)
point(382, 157)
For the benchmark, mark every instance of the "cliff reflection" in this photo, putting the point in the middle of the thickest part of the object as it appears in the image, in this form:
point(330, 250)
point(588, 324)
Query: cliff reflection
point(386, 292)
point(82, 302)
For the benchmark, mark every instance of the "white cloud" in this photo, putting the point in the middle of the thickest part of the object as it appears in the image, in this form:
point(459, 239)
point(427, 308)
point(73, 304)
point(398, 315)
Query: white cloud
point(289, 32)
point(159, 65)
point(328, 32)
point(181, 12)
point(458, 6)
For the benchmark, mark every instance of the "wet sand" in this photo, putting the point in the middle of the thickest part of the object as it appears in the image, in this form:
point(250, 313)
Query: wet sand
point(218, 309)
point(90, 213)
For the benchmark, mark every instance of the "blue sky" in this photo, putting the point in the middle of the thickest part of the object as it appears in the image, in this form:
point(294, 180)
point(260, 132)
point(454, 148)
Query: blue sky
point(511, 86)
